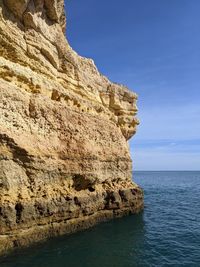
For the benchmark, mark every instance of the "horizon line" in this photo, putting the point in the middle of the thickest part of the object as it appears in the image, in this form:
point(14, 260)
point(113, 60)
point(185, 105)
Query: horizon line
point(166, 171)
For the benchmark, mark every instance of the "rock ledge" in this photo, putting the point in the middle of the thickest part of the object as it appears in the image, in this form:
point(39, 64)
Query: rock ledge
point(64, 158)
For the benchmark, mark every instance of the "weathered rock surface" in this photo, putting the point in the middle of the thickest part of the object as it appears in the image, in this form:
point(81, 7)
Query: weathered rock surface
point(64, 159)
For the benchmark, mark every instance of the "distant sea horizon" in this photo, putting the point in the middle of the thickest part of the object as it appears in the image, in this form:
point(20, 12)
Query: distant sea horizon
point(166, 170)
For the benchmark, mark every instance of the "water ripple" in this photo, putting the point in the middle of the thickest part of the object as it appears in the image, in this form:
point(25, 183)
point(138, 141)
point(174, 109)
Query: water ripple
point(166, 234)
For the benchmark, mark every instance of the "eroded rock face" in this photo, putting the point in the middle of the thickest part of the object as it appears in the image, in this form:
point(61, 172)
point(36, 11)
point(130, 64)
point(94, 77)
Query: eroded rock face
point(64, 159)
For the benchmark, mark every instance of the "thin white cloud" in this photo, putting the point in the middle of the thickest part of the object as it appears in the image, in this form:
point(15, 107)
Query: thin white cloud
point(168, 139)
point(159, 160)
point(164, 122)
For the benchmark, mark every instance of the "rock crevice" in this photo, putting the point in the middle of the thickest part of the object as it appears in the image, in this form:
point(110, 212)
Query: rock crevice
point(64, 158)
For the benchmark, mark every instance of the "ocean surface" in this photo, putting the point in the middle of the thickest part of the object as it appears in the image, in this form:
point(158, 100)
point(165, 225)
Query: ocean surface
point(167, 233)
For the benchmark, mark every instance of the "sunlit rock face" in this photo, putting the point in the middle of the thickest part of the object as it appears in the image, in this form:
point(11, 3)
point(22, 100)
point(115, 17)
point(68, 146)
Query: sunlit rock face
point(64, 158)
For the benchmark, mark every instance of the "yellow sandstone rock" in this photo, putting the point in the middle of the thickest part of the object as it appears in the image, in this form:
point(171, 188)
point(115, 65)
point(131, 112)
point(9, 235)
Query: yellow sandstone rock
point(64, 158)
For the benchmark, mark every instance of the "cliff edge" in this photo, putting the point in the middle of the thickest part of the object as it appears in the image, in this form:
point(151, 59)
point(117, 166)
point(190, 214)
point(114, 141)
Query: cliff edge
point(64, 158)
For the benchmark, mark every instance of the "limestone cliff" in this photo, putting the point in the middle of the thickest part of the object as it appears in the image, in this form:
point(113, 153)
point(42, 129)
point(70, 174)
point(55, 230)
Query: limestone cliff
point(64, 159)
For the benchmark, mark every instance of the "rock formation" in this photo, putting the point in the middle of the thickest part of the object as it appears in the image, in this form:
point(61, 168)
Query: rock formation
point(64, 158)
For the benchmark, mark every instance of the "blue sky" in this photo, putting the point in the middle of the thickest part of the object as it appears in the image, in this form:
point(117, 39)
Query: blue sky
point(153, 47)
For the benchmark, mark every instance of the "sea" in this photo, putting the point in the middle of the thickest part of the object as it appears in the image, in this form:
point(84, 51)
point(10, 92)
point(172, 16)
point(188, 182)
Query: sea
point(166, 233)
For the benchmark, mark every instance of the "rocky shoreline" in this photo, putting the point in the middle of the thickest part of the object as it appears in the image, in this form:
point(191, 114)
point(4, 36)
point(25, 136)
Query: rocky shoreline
point(65, 163)
point(40, 232)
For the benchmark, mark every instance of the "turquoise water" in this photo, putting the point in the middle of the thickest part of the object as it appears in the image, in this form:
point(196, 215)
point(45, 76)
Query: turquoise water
point(167, 233)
